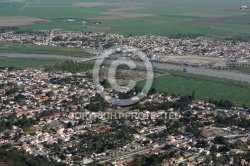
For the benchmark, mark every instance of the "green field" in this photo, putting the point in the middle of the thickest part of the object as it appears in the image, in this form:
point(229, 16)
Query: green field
point(23, 63)
point(205, 87)
point(164, 17)
point(22, 48)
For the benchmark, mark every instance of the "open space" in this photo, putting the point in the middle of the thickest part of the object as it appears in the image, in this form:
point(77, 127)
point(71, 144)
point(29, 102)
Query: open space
point(204, 87)
point(19, 20)
point(161, 17)
point(197, 59)
point(26, 48)
point(23, 63)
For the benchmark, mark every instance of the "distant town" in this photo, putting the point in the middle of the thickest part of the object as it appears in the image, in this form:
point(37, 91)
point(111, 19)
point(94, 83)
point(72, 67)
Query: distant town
point(157, 48)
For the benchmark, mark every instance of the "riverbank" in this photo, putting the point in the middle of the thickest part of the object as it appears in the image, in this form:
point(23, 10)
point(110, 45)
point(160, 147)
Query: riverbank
point(35, 49)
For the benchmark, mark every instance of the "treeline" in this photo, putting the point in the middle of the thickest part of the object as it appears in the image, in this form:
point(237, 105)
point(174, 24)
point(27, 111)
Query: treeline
point(245, 38)
point(184, 36)
point(181, 104)
point(14, 157)
point(97, 104)
point(222, 103)
point(119, 136)
point(70, 66)
point(27, 31)
point(154, 159)
point(233, 121)
point(6, 29)
point(23, 122)
point(16, 30)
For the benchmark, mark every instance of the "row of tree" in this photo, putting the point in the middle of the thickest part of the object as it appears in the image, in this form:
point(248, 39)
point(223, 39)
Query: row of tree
point(70, 66)
point(14, 157)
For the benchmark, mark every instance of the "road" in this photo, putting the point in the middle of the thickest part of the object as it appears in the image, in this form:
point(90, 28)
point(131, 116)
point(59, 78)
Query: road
point(148, 150)
point(188, 159)
point(127, 155)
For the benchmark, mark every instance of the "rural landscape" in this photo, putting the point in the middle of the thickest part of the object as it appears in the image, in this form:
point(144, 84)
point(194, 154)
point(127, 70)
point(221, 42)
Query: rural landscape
point(137, 17)
point(124, 83)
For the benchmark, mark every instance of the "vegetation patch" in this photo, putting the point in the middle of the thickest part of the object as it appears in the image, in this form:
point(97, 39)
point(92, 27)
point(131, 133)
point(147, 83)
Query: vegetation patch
point(27, 48)
point(23, 63)
point(204, 87)
point(19, 20)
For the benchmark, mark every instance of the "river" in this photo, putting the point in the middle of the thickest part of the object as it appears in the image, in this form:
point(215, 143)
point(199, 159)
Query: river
point(160, 66)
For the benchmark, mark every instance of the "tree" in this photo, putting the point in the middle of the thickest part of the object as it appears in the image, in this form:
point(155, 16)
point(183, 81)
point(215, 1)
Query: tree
point(153, 160)
point(239, 144)
point(69, 125)
point(2, 125)
point(152, 91)
point(136, 161)
point(224, 148)
point(166, 147)
point(220, 140)
point(193, 95)
point(6, 135)
point(108, 45)
point(214, 148)
point(208, 159)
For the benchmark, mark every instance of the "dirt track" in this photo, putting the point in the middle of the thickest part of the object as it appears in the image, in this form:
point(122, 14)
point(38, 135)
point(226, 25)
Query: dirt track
point(197, 59)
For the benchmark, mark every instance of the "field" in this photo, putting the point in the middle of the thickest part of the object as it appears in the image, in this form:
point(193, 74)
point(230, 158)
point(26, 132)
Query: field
point(204, 87)
point(21, 48)
point(35, 62)
point(23, 63)
point(137, 17)
point(19, 20)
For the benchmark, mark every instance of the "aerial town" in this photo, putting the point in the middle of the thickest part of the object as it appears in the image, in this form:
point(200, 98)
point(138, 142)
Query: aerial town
point(60, 116)
point(124, 83)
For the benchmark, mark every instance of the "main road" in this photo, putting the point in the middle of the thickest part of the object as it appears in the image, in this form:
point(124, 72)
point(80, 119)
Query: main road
point(231, 75)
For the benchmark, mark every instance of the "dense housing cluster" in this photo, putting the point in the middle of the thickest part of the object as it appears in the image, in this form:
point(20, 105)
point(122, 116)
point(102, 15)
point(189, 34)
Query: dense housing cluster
point(60, 116)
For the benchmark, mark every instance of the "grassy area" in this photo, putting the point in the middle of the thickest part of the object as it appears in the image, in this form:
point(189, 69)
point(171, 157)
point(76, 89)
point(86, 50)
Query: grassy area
point(211, 17)
point(71, 66)
point(157, 27)
point(23, 63)
point(22, 48)
point(205, 87)
point(50, 9)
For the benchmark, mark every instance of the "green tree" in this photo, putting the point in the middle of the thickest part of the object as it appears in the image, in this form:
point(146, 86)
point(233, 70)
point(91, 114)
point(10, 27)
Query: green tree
point(193, 95)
